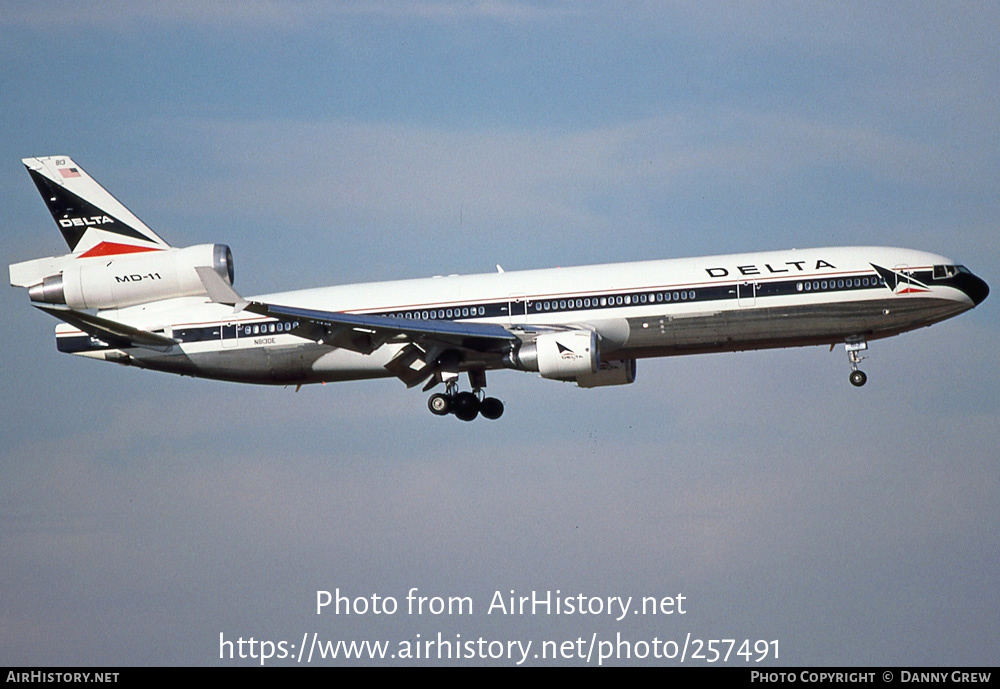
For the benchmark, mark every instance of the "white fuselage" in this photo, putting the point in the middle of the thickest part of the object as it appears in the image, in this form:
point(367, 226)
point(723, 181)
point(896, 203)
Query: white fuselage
point(643, 309)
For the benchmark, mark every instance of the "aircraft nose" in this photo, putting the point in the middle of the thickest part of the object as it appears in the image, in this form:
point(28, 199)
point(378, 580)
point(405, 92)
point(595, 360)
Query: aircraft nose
point(975, 288)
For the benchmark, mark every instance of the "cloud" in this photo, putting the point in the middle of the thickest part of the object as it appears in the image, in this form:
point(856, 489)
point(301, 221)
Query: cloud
point(588, 179)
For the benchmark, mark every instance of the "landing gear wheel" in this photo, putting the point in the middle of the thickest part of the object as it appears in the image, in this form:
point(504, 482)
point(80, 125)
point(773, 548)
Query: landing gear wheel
point(854, 346)
point(440, 404)
point(491, 408)
point(466, 406)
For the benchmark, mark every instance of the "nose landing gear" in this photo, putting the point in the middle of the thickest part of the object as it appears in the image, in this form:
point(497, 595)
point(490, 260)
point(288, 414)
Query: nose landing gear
point(854, 349)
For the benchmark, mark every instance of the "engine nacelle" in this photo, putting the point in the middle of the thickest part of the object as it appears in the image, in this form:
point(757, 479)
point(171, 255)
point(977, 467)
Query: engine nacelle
point(118, 281)
point(560, 356)
point(620, 372)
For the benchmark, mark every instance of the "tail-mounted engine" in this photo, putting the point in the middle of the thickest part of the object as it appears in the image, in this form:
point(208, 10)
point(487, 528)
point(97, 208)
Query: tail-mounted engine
point(103, 282)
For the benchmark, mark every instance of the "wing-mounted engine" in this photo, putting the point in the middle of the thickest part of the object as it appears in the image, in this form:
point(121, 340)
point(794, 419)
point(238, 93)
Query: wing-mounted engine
point(104, 282)
point(560, 356)
point(573, 355)
point(621, 372)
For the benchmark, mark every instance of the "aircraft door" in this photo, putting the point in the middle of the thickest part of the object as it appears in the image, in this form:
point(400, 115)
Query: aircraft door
point(904, 274)
point(746, 293)
point(517, 307)
point(230, 335)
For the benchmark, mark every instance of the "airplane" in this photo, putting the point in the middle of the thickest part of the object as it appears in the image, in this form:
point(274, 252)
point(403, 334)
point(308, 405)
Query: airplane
point(126, 296)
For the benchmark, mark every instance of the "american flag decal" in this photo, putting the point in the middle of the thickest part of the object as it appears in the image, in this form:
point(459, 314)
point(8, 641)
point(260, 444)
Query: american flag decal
point(69, 172)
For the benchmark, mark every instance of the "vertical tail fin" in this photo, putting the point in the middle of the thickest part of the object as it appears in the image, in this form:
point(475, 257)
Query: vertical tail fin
point(93, 222)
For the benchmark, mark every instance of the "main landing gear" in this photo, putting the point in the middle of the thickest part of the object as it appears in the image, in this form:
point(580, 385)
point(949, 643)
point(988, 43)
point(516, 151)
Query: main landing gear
point(465, 405)
point(854, 349)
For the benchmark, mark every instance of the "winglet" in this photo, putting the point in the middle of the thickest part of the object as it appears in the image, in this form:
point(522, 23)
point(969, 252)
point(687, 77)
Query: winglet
point(219, 291)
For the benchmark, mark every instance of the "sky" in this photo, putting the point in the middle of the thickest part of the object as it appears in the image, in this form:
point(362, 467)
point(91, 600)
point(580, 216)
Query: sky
point(147, 519)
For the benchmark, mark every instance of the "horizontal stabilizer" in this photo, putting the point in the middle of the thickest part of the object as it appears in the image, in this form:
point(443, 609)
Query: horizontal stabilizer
point(113, 333)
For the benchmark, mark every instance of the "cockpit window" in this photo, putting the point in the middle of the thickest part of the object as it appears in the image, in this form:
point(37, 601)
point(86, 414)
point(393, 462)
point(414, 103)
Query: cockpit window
point(944, 272)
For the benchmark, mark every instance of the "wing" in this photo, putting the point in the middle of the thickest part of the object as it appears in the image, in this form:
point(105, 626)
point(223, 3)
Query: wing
point(429, 347)
point(366, 333)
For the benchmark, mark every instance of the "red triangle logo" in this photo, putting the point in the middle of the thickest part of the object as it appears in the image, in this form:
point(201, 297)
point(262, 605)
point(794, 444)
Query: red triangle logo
point(115, 249)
